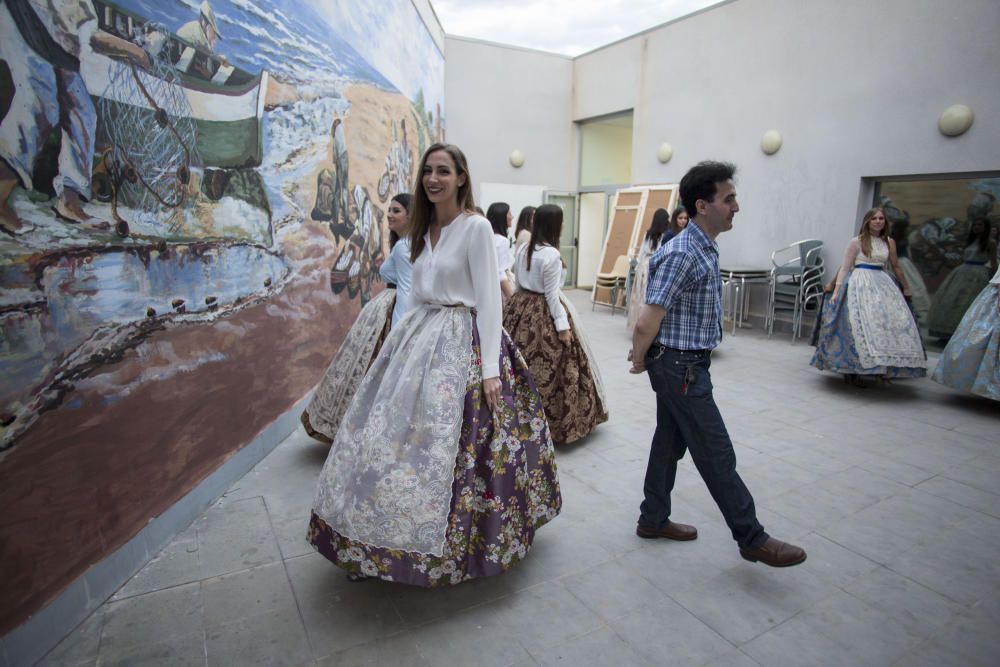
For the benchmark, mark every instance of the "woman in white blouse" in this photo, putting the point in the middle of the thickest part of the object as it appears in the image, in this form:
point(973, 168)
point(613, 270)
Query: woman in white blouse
point(443, 467)
point(522, 232)
point(500, 217)
point(361, 346)
point(541, 323)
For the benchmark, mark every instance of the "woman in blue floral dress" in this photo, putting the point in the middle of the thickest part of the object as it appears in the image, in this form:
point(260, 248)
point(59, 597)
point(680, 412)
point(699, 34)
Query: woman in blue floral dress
point(971, 360)
point(443, 467)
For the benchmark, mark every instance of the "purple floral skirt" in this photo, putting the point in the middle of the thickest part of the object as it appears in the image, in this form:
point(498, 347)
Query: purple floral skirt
point(505, 488)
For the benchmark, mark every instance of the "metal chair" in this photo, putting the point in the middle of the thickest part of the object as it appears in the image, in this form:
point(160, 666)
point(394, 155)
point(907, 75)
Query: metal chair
point(614, 281)
point(791, 266)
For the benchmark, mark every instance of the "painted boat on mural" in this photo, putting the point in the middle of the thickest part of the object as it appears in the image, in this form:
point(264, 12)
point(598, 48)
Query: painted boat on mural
point(227, 103)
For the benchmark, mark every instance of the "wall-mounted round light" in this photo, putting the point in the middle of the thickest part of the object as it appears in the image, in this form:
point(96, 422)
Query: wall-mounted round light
point(664, 153)
point(516, 158)
point(956, 120)
point(770, 142)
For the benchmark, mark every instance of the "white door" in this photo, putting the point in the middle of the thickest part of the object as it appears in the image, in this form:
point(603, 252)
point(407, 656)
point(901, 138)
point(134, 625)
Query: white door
point(593, 211)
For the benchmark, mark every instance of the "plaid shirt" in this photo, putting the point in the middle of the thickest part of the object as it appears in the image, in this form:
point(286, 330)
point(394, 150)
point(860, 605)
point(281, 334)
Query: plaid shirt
point(684, 279)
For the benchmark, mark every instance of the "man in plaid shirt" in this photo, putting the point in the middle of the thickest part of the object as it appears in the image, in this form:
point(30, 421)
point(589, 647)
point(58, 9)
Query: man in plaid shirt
point(673, 340)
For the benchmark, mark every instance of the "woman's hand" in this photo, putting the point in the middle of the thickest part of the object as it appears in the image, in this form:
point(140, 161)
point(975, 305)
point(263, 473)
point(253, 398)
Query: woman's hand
point(565, 336)
point(491, 389)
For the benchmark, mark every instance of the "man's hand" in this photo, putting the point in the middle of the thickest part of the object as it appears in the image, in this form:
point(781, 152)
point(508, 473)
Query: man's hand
point(638, 366)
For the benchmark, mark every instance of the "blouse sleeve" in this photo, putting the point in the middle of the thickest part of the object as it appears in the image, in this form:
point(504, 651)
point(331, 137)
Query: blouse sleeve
point(552, 279)
point(849, 255)
point(503, 255)
point(390, 268)
point(483, 267)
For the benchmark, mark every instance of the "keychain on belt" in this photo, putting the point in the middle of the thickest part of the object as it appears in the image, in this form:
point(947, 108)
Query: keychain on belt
point(689, 377)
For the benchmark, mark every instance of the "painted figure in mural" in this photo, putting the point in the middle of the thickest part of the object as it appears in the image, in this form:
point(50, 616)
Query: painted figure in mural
point(43, 44)
point(203, 32)
point(522, 232)
point(341, 223)
point(546, 329)
point(965, 282)
point(656, 235)
point(500, 219)
point(322, 417)
point(443, 467)
point(867, 328)
point(971, 359)
point(673, 340)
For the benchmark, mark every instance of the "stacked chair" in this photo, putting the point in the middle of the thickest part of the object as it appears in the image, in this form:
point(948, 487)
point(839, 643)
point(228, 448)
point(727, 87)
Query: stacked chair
point(796, 282)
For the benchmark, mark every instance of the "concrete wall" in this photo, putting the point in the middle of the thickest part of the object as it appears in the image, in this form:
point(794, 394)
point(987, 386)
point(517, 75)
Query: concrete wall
point(501, 98)
point(855, 88)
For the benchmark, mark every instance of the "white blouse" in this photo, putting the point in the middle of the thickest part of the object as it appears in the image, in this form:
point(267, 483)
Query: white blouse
point(397, 270)
point(462, 270)
point(504, 257)
point(546, 277)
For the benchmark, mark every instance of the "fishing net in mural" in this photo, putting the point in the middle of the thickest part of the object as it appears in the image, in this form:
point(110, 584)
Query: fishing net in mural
point(151, 143)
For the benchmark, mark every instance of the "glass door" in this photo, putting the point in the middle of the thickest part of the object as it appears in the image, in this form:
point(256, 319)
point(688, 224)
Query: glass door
point(568, 241)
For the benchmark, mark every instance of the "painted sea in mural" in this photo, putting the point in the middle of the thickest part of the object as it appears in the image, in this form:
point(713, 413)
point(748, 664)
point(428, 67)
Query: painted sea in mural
point(192, 201)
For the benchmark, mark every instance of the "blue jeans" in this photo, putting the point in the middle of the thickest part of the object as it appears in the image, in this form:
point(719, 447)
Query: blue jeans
point(687, 418)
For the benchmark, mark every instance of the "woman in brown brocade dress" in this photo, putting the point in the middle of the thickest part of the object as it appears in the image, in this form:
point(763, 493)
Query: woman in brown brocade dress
point(542, 324)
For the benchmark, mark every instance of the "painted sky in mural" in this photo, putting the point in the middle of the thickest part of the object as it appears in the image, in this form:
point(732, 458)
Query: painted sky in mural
point(374, 29)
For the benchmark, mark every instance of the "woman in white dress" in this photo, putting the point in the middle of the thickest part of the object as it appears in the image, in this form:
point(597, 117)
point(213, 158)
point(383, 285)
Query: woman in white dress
point(867, 328)
point(321, 418)
point(443, 467)
point(500, 217)
point(662, 228)
point(546, 331)
point(522, 232)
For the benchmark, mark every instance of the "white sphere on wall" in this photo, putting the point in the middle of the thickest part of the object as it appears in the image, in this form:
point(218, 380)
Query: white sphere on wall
point(664, 153)
point(770, 142)
point(956, 120)
point(516, 158)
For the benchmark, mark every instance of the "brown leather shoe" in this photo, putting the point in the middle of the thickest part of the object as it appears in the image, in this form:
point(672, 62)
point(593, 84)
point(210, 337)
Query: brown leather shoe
point(775, 553)
point(672, 531)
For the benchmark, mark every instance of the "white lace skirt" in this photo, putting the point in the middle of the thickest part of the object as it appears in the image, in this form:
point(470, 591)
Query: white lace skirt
point(884, 331)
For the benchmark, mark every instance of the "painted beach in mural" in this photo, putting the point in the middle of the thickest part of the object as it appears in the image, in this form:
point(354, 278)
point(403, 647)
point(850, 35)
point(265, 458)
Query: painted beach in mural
point(192, 202)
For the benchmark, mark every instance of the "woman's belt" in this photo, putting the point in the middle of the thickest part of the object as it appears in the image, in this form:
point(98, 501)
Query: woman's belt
point(870, 267)
point(976, 263)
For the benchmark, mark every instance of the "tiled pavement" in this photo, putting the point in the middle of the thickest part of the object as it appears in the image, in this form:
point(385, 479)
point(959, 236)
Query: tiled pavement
point(894, 491)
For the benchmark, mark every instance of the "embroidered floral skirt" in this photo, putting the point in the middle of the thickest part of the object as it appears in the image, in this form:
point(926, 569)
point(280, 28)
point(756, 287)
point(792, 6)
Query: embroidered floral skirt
point(360, 347)
point(869, 330)
point(971, 360)
point(564, 373)
point(391, 504)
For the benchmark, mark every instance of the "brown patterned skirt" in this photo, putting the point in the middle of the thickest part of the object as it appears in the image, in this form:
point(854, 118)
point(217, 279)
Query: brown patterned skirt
point(563, 373)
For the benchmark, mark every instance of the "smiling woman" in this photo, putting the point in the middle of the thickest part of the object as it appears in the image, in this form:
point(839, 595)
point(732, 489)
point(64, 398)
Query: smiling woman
point(443, 467)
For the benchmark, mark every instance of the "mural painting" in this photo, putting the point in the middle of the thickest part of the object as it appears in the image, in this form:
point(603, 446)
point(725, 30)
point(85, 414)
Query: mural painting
point(192, 201)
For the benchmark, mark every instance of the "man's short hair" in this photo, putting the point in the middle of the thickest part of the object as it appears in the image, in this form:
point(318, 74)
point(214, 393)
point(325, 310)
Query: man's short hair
point(701, 180)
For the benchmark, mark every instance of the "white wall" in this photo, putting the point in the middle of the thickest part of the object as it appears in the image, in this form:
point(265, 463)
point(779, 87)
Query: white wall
point(607, 80)
point(500, 98)
point(855, 87)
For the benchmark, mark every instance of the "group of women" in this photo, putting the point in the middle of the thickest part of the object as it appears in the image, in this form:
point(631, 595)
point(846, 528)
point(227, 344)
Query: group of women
point(443, 403)
point(868, 329)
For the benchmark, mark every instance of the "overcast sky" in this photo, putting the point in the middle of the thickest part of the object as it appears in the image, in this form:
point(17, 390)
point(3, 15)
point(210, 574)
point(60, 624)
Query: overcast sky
point(570, 27)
